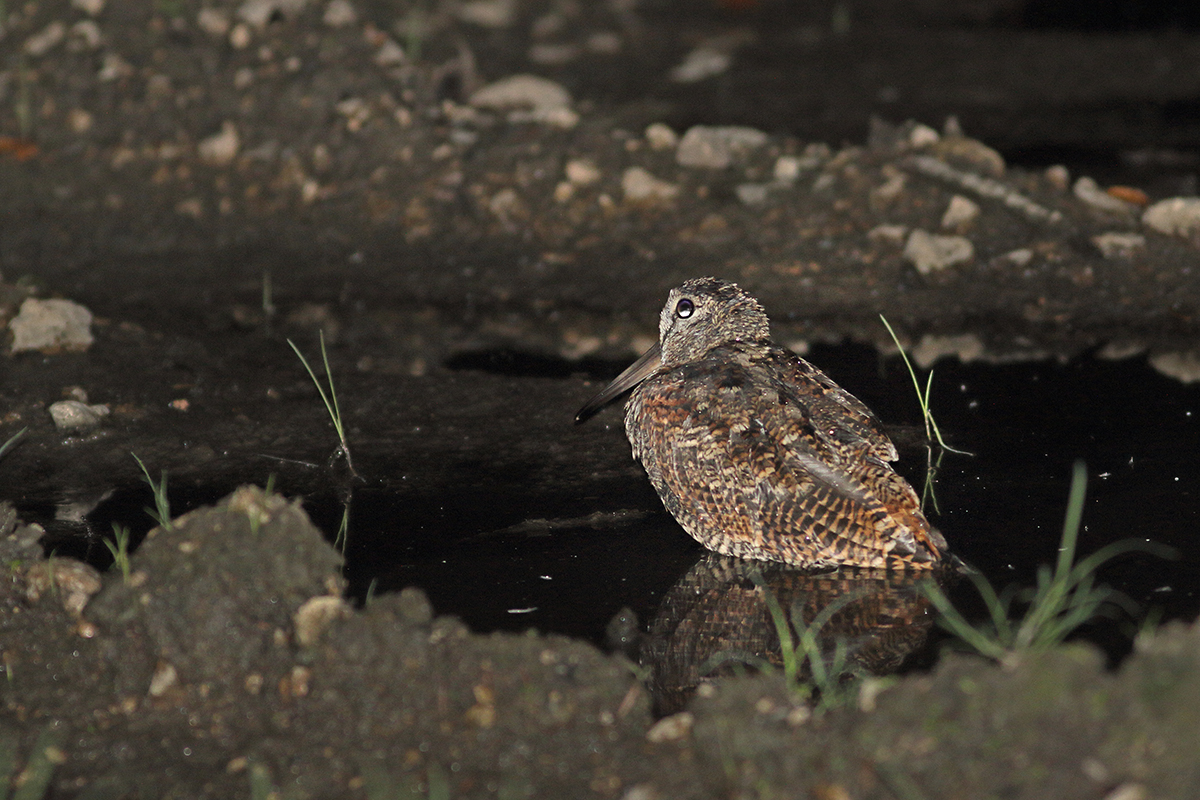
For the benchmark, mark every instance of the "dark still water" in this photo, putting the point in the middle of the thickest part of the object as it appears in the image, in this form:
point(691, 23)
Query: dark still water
point(567, 559)
point(568, 569)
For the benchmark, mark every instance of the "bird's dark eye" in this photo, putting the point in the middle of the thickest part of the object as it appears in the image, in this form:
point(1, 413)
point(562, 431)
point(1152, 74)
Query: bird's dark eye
point(684, 308)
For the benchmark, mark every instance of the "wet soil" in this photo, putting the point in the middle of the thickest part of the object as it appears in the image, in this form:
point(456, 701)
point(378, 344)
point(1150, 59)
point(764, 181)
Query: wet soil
point(210, 186)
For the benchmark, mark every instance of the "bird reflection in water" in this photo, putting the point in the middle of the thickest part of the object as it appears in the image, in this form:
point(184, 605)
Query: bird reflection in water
point(715, 621)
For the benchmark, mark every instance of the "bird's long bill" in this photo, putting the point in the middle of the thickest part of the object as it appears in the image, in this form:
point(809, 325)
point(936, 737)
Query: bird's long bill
point(637, 372)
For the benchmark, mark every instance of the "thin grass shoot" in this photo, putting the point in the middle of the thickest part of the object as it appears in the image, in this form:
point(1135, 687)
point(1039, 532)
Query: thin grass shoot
point(119, 547)
point(12, 441)
point(161, 513)
point(330, 399)
point(932, 432)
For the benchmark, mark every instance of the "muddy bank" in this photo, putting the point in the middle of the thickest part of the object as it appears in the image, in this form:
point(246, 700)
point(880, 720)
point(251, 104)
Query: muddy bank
point(180, 169)
point(227, 662)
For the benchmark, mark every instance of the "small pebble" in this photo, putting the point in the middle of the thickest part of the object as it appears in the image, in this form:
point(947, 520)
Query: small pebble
point(885, 194)
point(45, 40)
point(240, 36)
point(213, 21)
point(85, 34)
point(521, 92)
point(922, 136)
point(969, 153)
point(716, 147)
point(51, 325)
point(315, 616)
point(661, 137)
point(74, 417)
point(752, 194)
point(787, 169)
point(582, 172)
point(1021, 256)
point(1178, 216)
point(488, 13)
point(640, 186)
point(960, 213)
point(672, 728)
point(701, 63)
point(1058, 177)
point(339, 14)
point(89, 7)
point(390, 54)
point(1183, 366)
point(1090, 193)
point(73, 582)
point(221, 148)
point(888, 234)
point(1115, 244)
point(931, 252)
point(967, 347)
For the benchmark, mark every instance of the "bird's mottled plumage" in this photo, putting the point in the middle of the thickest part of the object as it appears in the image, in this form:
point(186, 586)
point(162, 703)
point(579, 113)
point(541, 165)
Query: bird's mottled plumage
point(756, 452)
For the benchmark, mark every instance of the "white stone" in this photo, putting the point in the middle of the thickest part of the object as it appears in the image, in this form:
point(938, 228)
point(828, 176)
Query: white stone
point(46, 39)
point(787, 169)
point(671, 728)
point(488, 13)
point(961, 212)
point(1058, 176)
point(390, 54)
point(1115, 244)
point(259, 12)
point(213, 21)
point(660, 136)
point(51, 324)
point(967, 347)
point(640, 186)
point(701, 63)
point(751, 194)
point(1021, 256)
point(930, 252)
point(222, 147)
point(1177, 216)
point(716, 147)
point(85, 34)
point(521, 92)
point(1183, 366)
point(72, 416)
point(339, 14)
point(888, 234)
point(1090, 192)
point(582, 172)
point(922, 136)
point(315, 616)
point(89, 7)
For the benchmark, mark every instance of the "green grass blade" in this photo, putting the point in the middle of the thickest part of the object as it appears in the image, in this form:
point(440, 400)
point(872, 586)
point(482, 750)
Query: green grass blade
point(12, 441)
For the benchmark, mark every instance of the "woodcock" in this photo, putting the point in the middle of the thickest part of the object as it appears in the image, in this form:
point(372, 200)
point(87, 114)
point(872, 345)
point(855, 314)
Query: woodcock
point(756, 452)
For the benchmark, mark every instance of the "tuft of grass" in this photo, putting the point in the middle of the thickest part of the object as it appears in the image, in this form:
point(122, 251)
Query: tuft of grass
point(161, 513)
point(12, 441)
point(932, 432)
point(330, 399)
point(1065, 597)
point(931, 428)
point(119, 547)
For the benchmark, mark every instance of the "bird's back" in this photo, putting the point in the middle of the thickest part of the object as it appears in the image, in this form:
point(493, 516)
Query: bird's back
point(759, 454)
